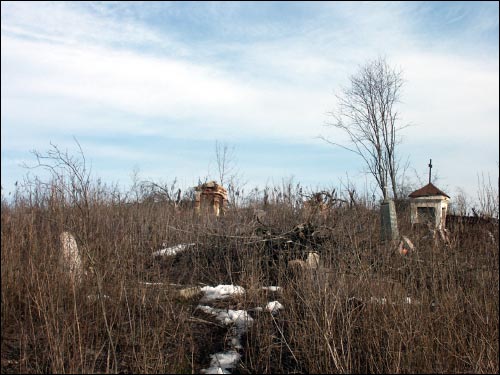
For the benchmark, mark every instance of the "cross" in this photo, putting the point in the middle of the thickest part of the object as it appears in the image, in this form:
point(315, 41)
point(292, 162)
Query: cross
point(430, 167)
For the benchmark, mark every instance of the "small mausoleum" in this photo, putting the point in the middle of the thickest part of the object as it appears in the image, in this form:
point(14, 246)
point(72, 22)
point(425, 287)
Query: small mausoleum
point(428, 205)
point(210, 197)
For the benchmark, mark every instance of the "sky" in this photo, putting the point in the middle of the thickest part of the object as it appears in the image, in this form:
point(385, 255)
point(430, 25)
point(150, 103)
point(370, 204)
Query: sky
point(151, 87)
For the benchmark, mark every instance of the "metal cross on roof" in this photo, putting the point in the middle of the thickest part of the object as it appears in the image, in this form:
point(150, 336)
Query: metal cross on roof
point(430, 167)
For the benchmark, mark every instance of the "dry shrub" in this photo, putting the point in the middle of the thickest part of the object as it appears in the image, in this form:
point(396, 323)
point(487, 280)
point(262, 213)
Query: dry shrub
point(353, 317)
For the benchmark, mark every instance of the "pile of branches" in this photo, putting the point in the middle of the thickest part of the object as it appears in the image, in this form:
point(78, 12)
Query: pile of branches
point(294, 244)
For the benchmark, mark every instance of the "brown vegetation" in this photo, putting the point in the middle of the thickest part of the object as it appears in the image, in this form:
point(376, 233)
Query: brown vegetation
point(355, 317)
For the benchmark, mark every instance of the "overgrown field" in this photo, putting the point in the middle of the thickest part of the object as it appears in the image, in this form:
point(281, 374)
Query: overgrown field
point(368, 310)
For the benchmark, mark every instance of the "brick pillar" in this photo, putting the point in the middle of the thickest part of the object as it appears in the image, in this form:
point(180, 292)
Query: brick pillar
point(216, 204)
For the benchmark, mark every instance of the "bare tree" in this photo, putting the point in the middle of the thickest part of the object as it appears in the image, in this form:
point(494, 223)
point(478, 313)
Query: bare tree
point(228, 172)
point(460, 205)
point(70, 175)
point(225, 160)
point(366, 113)
point(488, 197)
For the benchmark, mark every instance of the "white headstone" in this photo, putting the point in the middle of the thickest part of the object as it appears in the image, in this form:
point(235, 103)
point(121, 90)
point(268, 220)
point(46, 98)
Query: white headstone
point(312, 260)
point(70, 257)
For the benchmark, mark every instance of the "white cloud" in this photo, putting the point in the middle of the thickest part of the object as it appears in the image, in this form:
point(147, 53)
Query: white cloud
point(83, 70)
point(450, 99)
point(152, 87)
point(72, 24)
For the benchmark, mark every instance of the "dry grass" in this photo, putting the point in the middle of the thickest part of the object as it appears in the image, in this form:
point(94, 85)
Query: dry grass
point(333, 322)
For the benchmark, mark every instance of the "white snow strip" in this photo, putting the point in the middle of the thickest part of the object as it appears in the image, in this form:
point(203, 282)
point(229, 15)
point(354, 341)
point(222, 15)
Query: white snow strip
point(239, 318)
point(274, 306)
point(170, 251)
point(220, 362)
point(221, 291)
point(148, 283)
point(236, 343)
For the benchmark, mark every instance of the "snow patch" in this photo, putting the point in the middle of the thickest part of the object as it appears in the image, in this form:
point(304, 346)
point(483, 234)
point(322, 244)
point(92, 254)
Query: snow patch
point(220, 362)
point(239, 318)
point(221, 291)
point(170, 251)
point(274, 306)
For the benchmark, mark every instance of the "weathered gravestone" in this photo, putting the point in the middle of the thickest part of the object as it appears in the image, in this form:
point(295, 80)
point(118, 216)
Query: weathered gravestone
point(389, 221)
point(71, 262)
point(313, 260)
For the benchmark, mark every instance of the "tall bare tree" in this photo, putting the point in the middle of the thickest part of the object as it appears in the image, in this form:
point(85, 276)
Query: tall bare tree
point(366, 112)
point(225, 161)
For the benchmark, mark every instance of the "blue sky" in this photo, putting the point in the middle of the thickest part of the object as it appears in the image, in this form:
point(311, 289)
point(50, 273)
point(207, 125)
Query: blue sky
point(153, 85)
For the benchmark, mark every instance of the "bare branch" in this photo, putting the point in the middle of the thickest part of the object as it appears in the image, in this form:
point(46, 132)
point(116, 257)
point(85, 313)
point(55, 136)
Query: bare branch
point(366, 113)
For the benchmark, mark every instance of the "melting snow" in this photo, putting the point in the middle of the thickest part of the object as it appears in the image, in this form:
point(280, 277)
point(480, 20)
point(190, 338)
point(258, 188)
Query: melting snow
point(221, 291)
point(221, 362)
point(170, 251)
point(274, 306)
point(239, 320)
